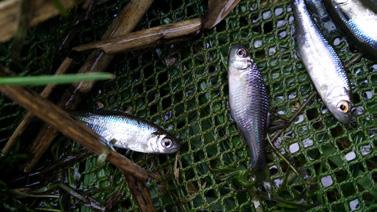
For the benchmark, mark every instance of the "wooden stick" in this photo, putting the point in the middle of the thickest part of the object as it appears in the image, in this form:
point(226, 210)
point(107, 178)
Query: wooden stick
point(145, 38)
point(98, 60)
point(140, 193)
point(78, 132)
point(41, 11)
point(28, 117)
point(217, 11)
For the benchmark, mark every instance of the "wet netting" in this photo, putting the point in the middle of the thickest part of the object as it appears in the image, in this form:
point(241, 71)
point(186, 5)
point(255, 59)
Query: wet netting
point(183, 88)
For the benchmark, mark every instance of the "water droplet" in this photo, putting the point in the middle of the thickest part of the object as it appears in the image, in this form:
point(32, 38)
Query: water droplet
point(278, 11)
point(278, 182)
point(359, 71)
point(168, 115)
point(271, 51)
point(281, 23)
point(266, 15)
point(253, 7)
point(280, 112)
point(278, 146)
point(208, 45)
point(307, 142)
point(258, 43)
point(292, 95)
point(326, 181)
point(283, 34)
point(289, 8)
point(374, 68)
point(366, 149)
point(354, 204)
point(291, 19)
point(350, 156)
point(369, 94)
point(324, 110)
point(294, 148)
point(256, 204)
point(364, 83)
point(336, 41)
point(300, 119)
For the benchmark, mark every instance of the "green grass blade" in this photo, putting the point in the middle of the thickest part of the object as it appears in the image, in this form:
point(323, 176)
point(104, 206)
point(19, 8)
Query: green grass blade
point(54, 79)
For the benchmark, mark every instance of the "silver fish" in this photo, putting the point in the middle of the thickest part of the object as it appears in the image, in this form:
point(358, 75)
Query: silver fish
point(129, 132)
point(323, 65)
point(248, 102)
point(322, 18)
point(359, 22)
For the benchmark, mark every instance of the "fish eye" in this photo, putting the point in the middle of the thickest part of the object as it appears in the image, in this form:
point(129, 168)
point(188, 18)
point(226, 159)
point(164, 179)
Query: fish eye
point(167, 143)
point(241, 52)
point(343, 106)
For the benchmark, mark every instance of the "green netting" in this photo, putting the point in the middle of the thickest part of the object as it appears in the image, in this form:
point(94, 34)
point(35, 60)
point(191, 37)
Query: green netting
point(183, 87)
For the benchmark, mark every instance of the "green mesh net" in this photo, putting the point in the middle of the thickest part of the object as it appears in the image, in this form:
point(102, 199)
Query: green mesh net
point(183, 88)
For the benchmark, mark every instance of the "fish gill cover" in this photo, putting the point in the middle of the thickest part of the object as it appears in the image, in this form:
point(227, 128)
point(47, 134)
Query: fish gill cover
point(183, 88)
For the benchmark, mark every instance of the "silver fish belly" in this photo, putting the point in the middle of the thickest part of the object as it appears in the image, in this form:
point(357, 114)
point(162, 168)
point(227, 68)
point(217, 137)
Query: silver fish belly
point(322, 63)
point(358, 21)
point(248, 102)
point(125, 131)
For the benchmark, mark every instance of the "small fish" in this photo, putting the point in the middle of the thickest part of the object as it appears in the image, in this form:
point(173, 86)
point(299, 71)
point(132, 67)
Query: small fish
point(129, 132)
point(359, 22)
point(323, 64)
point(248, 102)
point(322, 18)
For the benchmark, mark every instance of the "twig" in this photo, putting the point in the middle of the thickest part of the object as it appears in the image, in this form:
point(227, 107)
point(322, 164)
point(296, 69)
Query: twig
point(140, 193)
point(22, 194)
point(290, 121)
point(57, 165)
point(97, 60)
point(353, 60)
point(217, 11)
point(62, 121)
point(145, 38)
point(28, 117)
point(88, 201)
point(113, 200)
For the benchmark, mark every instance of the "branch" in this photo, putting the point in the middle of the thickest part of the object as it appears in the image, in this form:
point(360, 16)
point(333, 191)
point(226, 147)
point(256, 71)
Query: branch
point(145, 38)
point(217, 11)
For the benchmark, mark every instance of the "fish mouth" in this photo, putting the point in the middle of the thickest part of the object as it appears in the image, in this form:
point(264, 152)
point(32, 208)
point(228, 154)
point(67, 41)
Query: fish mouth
point(176, 148)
